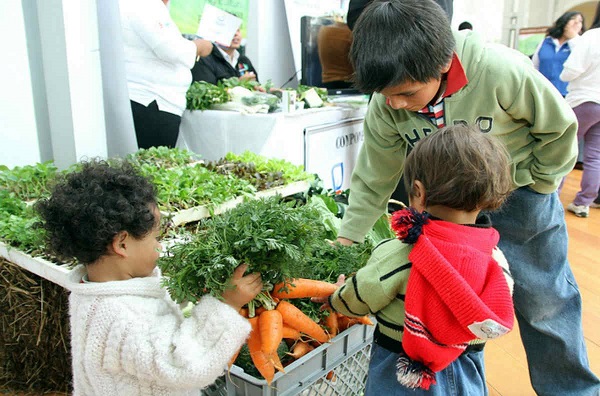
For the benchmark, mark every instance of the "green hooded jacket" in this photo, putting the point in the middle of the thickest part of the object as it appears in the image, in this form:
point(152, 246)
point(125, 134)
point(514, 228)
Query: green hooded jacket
point(505, 96)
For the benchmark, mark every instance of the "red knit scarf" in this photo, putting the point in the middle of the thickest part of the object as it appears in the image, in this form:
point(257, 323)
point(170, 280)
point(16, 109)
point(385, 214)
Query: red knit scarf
point(456, 293)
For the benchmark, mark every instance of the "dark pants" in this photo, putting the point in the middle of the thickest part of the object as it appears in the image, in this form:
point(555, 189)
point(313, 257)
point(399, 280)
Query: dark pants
point(153, 127)
point(336, 84)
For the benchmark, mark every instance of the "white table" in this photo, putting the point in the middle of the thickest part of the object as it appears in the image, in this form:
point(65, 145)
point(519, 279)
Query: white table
point(314, 138)
point(213, 133)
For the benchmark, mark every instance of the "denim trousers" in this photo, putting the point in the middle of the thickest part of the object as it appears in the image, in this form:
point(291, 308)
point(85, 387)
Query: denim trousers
point(465, 376)
point(533, 237)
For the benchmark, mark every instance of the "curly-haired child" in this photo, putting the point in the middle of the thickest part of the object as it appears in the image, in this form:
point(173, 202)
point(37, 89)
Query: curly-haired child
point(128, 337)
point(439, 290)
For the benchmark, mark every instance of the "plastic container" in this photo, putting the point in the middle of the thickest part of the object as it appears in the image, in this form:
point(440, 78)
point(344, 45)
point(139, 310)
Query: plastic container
point(347, 355)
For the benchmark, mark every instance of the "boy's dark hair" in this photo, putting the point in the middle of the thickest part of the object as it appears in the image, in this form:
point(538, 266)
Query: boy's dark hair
point(397, 41)
point(556, 30)
point(87, 208)
point(465, 25)
point(461, 168)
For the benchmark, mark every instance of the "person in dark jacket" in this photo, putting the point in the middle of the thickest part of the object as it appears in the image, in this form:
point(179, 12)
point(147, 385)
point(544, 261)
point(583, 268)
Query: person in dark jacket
point(224, 62)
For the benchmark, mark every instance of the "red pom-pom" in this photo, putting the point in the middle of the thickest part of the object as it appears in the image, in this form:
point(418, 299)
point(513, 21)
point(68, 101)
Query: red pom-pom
point(412, 374)
point(407, 223)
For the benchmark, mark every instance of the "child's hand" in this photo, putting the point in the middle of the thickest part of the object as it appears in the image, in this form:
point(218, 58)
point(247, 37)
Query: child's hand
point(242, 289)
point(325, 300)
point(344, 241)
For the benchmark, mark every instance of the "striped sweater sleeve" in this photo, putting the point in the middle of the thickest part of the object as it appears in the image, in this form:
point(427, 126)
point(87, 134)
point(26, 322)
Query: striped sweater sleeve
point(501, 260)
point(375, 285)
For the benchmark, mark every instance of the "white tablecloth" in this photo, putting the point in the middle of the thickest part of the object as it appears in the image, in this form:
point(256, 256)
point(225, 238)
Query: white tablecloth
point(213, 133)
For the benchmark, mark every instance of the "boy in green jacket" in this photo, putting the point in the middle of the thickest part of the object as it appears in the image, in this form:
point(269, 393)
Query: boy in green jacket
point(424, 77)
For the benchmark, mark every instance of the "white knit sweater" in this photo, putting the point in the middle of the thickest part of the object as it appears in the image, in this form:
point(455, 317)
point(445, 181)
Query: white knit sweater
point(130, 338)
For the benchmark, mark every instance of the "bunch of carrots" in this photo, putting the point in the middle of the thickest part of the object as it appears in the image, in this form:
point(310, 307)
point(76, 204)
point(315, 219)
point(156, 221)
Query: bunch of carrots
point(280, 320)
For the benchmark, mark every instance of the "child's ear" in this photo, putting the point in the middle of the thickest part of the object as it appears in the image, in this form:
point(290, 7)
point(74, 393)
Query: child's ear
point(418, 196)
point(119, 243)
point(446, 68)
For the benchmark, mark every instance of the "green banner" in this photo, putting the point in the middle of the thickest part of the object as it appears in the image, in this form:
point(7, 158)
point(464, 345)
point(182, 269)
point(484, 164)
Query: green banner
point(527, 44)
point(187, 13)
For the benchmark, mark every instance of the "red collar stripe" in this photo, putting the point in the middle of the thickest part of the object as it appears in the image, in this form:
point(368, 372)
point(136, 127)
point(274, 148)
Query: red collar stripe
point(456, 78)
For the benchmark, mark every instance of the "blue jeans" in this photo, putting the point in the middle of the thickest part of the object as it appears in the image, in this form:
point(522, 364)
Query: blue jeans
point(465, 376)
point(533, 237)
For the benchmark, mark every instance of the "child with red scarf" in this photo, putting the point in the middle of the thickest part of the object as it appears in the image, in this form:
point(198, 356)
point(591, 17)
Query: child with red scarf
point(439, 290)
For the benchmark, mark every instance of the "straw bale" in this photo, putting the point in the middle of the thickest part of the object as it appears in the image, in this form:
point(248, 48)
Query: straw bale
point(34, 333)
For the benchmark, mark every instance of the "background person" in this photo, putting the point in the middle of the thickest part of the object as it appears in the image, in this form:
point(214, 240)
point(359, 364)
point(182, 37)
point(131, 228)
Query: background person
point(333, 43)
point(434, 78)
point(582, 71)
point(553, 51)
point(596, 24)
point(128, 337)
point(225, 62)
point(157, 63)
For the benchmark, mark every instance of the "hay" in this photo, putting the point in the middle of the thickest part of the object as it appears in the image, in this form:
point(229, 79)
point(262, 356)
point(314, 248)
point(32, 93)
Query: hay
point(34, 331)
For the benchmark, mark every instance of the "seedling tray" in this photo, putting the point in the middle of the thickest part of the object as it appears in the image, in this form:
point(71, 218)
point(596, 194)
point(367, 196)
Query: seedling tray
point(57, 273)
point(199, 212)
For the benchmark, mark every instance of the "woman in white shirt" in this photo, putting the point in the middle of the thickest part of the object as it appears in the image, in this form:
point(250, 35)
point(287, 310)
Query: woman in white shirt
point(158, 61)
point(582, 71)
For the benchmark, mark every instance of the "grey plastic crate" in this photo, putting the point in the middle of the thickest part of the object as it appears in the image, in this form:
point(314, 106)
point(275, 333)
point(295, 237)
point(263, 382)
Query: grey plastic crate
point(347, 355)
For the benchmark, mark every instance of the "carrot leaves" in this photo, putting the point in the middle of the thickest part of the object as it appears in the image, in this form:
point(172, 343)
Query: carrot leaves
point(273, 237)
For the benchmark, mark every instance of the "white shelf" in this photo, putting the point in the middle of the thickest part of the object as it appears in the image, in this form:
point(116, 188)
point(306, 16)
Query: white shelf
point(57, 273)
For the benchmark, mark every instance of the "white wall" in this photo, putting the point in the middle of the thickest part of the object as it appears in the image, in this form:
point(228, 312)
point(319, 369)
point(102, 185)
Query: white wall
point(85, 79)
point(51, 100)
point(18, 132)
point(268, 42)
point(71, 64)
point(486, 20)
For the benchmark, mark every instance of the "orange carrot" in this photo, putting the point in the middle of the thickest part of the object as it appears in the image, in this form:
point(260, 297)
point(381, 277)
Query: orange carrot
point(277, 362)
point(300, 349)
point(330, 376)
point(343, 322)
point(365, 320)
point(290, 333)
point(232, 360)
point(331, 323)
point(244, 312)
point(295, 318)
point(270, 324)
point(262, 363)
point(300, 288)
point(259, 310)
point(346, 322)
